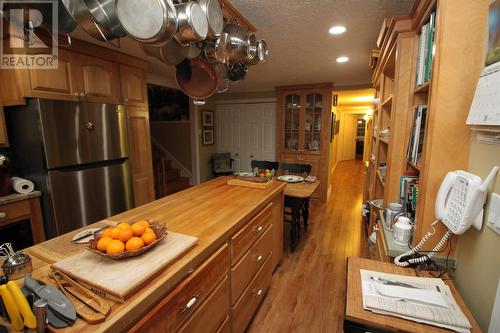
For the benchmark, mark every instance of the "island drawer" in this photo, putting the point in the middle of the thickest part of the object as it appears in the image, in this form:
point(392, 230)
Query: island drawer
point(248, 266)
point(244, 239)
point(212, 313)
point(225, 327)
point(187, 297)
point(246, 306)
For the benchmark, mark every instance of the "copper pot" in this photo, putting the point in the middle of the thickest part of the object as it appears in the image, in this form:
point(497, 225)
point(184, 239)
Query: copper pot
point(197, 78)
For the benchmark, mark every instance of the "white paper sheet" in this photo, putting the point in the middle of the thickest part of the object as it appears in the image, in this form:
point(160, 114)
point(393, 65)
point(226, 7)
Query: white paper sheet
point(485, 108)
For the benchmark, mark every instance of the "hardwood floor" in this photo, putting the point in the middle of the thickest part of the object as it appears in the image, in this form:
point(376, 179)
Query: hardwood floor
point(308, 289)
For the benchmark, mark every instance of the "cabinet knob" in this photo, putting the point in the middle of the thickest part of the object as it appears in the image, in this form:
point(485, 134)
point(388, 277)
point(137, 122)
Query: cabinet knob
point(259, 257)
point(3, 215)
point(259, 229)
point(76, 93)
point(125, 99)
point(190, 303)
point(258, 291)
point(82, 94)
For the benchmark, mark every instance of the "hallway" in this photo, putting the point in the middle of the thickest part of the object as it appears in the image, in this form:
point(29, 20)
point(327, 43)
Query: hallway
point(307, 292)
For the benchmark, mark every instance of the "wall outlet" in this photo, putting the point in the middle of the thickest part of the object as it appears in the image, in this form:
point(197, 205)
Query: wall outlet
point(494, 214)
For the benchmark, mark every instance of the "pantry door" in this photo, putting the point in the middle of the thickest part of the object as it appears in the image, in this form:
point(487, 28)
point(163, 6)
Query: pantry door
point(247, 130)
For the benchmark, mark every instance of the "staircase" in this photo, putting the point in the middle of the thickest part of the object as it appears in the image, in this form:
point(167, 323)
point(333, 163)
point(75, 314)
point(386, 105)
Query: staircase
point(167, 180)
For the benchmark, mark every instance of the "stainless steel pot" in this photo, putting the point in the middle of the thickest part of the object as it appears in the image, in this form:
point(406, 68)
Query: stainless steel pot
point(222, 78)
point(192, 23)
point(172, 53)
point(148, 21)
point(215, 49)
point(67, 10)
point(100, 20)
point(241, 46)
point(262, 53)
point(215, 17)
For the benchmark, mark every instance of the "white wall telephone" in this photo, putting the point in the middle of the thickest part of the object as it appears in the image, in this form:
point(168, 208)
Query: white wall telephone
point(459, 204)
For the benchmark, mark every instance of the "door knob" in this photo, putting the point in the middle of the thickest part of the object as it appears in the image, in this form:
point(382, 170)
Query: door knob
point(251, 155)
point(236, 154)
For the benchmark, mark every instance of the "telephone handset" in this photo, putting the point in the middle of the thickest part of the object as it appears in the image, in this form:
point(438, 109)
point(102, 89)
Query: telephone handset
point(459, 204)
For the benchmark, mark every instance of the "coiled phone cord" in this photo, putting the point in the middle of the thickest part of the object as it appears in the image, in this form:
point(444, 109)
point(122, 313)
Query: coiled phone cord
point(425, 257)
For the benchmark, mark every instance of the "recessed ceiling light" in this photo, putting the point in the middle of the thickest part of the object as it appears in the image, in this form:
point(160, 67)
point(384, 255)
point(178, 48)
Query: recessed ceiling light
point(342, 59)
point(337, 30)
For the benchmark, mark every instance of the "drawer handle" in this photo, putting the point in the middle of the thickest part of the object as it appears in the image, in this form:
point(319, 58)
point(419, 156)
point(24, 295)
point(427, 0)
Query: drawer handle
point(259, 257)
point(258, 292)
point(3, 215)
point(190, 304)
point(259, 229)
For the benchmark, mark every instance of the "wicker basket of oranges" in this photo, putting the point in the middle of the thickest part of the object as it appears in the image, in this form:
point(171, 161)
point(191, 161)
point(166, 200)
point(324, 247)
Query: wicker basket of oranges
point(127, 240)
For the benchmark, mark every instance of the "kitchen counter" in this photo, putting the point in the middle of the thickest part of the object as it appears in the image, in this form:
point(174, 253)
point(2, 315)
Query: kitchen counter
point(14, 197)
point(212, 211)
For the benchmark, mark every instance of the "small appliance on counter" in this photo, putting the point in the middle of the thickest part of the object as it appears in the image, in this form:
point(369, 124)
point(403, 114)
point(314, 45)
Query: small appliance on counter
point(7, 158)
point(394, 210)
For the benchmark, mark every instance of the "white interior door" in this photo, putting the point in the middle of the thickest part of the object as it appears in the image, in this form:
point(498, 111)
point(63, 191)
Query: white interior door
point(248, 131)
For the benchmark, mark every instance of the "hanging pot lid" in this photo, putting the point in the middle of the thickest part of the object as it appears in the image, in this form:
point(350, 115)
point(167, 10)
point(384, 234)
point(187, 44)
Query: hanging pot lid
point(215, 17)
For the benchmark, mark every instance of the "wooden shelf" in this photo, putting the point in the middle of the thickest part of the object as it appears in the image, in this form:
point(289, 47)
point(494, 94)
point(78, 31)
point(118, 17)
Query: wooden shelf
point(422, 89)
point(380, 178)
point(413, 165)
point(387, 102)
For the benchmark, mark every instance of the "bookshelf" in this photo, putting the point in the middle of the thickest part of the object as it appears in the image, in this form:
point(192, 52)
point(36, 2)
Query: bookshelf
point(447, 93)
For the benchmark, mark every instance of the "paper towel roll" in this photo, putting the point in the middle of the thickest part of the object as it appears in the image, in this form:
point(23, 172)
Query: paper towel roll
point(21, 185)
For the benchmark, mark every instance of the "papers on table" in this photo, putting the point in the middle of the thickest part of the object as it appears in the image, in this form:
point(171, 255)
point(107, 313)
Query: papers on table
point(424, 300)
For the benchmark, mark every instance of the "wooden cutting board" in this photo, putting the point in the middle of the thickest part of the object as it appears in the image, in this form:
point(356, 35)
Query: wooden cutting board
point(119, 279)
point(248, 183)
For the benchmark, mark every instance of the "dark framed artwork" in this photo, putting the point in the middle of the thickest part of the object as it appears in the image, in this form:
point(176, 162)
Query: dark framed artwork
point(207, 118)
point(332, 126)
point(337, 126)
point(208, 137)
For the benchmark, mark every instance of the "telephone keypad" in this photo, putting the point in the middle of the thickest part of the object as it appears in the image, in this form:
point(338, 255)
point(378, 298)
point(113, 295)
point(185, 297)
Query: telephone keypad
point(457, 201)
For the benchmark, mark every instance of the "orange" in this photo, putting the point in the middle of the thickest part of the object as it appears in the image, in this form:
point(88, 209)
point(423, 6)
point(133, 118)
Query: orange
point(138, 229)
point(148, 237)
point(123, 225)
point(145, 223)
point(125, 235)
point(115, 247)
point(148, 229)
point(103, 243)
point(115, 232)
point(107, 232)
point(134, 243)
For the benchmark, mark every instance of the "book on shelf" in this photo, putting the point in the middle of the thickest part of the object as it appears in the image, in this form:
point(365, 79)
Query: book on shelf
point(416, 141)
point(425, 50)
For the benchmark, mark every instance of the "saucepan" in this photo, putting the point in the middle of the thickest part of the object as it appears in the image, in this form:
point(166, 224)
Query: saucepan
point(197, 78)
point(100, 20)
point(262, 53)
point(148, 21)
point(172, 53)
point(242, 44)
point(192, 23)
point(215, 17)
point(215, 49)
point(67, 11)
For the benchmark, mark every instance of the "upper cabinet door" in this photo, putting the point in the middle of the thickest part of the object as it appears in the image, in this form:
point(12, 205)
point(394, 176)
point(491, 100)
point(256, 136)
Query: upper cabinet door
point(291, 128)
point(312, 122)
point(100, 80)
point(56, 83)
point(134, 89)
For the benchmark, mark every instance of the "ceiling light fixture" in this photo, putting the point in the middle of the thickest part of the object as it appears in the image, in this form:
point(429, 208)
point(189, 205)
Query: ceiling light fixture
point(337, 30)
point(342, 59)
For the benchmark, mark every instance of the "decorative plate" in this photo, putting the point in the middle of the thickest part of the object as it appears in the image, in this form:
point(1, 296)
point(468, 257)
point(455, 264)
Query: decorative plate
point(244, 174)
point(291, 179)
point(159, 229)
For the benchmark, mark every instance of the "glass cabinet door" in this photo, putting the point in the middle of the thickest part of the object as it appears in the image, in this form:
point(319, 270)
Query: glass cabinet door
point(312, 122)
point(292, 122)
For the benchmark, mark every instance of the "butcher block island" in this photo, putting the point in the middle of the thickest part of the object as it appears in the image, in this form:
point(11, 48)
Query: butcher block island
point(216, 285)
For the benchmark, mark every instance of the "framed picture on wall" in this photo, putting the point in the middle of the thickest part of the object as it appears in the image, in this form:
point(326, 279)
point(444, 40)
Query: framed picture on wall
point(337, 126)
point(208, 137)
point(332, 127)
point(208, 118)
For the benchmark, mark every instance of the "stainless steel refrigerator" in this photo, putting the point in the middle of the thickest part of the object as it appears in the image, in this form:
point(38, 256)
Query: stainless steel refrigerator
point(77, 155)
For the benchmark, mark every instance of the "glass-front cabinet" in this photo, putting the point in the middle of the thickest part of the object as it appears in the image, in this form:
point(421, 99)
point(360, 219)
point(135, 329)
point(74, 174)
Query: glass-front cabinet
point(303, 117)
point(304, 123)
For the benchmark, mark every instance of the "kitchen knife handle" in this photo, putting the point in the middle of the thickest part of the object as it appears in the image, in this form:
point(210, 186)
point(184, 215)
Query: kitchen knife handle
point(12, 310)
point(22, 305)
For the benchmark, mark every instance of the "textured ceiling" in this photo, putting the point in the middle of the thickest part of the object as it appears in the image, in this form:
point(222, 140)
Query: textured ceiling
point(302, 50)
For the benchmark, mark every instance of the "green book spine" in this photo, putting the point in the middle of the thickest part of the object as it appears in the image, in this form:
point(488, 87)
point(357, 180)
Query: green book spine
point(430, 43)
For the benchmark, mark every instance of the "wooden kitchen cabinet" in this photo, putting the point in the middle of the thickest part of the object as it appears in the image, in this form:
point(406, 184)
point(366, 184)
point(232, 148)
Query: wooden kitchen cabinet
point(140, 155)
point(303, 129)
point(4, 138)
point(133, 85)
point(99, 80)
